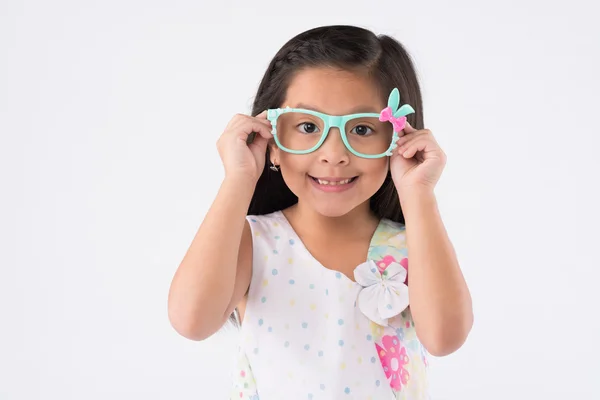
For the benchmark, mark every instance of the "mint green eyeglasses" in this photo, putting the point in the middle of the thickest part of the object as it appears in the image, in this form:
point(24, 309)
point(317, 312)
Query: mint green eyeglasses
point(301, 131)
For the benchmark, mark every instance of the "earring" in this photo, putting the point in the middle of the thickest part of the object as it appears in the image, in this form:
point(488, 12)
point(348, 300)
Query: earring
point(274, 167)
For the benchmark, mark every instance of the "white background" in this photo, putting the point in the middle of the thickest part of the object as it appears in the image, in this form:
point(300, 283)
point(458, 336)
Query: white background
point(109, 114)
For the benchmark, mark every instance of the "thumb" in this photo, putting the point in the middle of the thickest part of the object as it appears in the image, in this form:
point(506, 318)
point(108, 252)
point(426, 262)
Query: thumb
point(262, 115)
point(408, 128)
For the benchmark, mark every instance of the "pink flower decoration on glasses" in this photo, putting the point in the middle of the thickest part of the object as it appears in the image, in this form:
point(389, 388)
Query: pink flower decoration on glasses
point(387, 115)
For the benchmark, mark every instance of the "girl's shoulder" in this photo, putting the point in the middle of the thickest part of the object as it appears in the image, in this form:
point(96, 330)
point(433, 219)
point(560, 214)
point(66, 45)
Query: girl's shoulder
point(392, 226)
point(269, 228)
point(389, 242)
point(270, 217)
point(390, 233)
point(266, 222)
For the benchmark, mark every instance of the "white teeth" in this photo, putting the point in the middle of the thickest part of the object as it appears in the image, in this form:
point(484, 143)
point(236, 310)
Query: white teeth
point(333, 183)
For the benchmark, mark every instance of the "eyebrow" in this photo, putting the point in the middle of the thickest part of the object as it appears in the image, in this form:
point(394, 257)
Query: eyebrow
point(361, 109)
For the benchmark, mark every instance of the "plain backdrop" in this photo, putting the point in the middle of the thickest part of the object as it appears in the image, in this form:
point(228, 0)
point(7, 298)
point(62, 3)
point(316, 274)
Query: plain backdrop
point(109, 114)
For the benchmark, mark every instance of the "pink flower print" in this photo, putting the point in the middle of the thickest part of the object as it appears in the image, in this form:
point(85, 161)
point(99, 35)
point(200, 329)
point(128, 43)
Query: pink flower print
point(404, 263)
point(387, 260)
point(393, 359)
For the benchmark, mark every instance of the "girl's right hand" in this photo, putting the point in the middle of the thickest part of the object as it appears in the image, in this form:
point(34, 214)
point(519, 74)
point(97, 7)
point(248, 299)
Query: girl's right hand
point(240, 158)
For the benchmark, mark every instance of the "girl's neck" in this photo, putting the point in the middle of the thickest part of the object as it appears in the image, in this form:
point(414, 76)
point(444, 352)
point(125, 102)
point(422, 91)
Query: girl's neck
point(357, 223)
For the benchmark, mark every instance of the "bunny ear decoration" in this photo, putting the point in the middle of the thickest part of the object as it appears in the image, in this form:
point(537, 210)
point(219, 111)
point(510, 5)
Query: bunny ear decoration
point(394, 102)
point(403, 111)
point(395, 115)
point(394, 99)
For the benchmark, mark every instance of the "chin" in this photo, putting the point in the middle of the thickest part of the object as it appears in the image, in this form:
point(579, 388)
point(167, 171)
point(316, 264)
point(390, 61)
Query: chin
point(333, 209)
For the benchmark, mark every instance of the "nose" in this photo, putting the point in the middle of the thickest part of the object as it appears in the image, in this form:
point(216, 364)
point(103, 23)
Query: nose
point(333, 151)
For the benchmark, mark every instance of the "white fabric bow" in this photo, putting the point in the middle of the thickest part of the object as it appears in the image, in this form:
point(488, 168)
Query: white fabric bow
point(383, 295)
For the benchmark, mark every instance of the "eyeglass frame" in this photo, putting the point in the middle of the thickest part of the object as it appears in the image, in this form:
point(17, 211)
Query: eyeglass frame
point(339, 121)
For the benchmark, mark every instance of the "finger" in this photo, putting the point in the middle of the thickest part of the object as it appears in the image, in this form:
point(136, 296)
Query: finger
point(262, 115)
point(408, 128)
point(408, 137)
point(421, 144)
point(242, 119)
point(409, 143)
point(262, 118)
point(259, 145)
point(252, 127)
point(405, 138)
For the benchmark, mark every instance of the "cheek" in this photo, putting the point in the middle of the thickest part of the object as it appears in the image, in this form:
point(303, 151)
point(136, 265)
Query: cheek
point(376, 168)
point(374, 174)
point(294, 169)
point(294, 164)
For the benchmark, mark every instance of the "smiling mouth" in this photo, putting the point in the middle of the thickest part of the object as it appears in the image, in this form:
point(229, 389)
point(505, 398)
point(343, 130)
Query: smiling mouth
point(333, 181)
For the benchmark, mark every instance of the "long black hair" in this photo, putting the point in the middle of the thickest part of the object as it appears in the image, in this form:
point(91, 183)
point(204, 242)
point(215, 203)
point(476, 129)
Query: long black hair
point(381, 58)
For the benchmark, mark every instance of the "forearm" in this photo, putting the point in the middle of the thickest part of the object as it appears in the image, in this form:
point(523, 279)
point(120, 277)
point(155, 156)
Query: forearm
point(439, 297)
point(203, 285)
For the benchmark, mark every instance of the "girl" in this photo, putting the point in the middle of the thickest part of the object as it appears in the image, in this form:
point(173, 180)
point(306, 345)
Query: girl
point(326, 193)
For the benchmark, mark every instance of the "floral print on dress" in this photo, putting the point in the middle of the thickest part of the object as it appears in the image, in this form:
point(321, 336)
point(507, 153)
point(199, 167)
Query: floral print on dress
point(304, 334)
point(393, 358)
point(402, 356)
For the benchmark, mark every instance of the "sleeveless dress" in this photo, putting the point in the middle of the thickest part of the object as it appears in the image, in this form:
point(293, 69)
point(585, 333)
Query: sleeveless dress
point(313, 333)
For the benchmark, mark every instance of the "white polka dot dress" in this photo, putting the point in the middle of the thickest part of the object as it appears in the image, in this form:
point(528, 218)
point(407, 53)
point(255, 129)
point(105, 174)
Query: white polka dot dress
point(313, 333)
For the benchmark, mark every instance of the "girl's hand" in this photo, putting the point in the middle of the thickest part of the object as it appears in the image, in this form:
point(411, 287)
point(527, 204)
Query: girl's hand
point(240, 158)
point(418, 160)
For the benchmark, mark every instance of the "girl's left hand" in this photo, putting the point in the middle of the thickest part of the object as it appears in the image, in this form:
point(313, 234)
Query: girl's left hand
point(418, 160)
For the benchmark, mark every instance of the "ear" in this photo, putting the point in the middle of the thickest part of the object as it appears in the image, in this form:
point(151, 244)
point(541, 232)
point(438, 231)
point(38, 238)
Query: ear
point(273, 152)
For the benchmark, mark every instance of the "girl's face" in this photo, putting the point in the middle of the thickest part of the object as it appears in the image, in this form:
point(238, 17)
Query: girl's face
point(315, 177)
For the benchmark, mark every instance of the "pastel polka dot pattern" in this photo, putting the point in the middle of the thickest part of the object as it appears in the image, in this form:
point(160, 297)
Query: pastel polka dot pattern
point(301, 320)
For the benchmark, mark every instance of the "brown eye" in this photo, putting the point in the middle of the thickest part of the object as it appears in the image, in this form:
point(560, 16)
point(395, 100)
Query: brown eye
point(310, 127)
point(362, 130)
